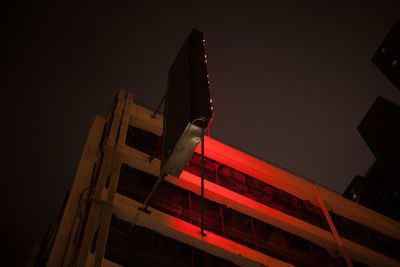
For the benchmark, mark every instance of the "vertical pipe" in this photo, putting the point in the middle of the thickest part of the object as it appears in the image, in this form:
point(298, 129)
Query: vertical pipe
point(222, 219)
point(159, 106)
point(202, 182)
point(190, 208)
point(216, 174)
point(220, 205)
point(254, 233)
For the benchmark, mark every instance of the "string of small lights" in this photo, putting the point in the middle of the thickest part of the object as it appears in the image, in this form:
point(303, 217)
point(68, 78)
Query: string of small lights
point(209, 88)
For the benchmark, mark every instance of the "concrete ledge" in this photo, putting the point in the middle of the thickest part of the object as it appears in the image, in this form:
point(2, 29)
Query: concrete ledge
point(126, 209)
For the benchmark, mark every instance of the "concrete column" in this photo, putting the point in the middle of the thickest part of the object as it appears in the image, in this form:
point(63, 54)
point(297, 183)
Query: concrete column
point(81, 182)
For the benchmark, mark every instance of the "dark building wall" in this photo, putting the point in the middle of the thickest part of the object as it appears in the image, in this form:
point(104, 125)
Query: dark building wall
point(385, 186)
point(360, 191)
point(379, 188)
point(380, 129)
point(376, 191)
point(387, 57)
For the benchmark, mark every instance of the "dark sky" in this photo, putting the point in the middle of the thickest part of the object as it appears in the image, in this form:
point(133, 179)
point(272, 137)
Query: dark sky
point(290, 83)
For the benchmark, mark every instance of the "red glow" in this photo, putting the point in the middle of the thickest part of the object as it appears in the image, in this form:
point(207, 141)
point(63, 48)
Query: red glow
point(210, 100)
point(239, 202)
point(256, 168)
point(206, 60)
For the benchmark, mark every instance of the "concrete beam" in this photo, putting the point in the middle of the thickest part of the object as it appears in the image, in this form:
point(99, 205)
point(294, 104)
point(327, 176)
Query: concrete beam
point(219, 194)
point(279, 219)
point(104, 224)
point(298, 187)
point(126, 209)
point(140, 117)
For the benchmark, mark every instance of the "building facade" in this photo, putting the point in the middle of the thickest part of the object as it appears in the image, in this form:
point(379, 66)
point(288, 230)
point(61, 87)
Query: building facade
point(255, 214)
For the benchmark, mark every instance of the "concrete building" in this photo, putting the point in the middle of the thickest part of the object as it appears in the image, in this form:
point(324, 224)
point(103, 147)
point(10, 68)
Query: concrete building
point(255, 214)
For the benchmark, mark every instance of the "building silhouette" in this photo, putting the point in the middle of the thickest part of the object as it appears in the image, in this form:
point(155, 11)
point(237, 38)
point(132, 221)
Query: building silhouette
point(379, 189)
point(255, 214)
point(387, 56)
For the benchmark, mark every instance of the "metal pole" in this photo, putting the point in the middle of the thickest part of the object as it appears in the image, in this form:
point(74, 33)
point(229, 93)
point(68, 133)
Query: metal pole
point(202, 182)
point(147, 201)
point(154, 189)
point(335, 233)
point(159, 105)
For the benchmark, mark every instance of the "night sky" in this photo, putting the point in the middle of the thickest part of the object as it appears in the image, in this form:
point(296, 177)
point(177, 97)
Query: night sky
point(290, 83)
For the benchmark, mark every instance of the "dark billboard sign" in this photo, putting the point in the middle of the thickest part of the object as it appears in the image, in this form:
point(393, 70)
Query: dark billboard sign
point(188, 109)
